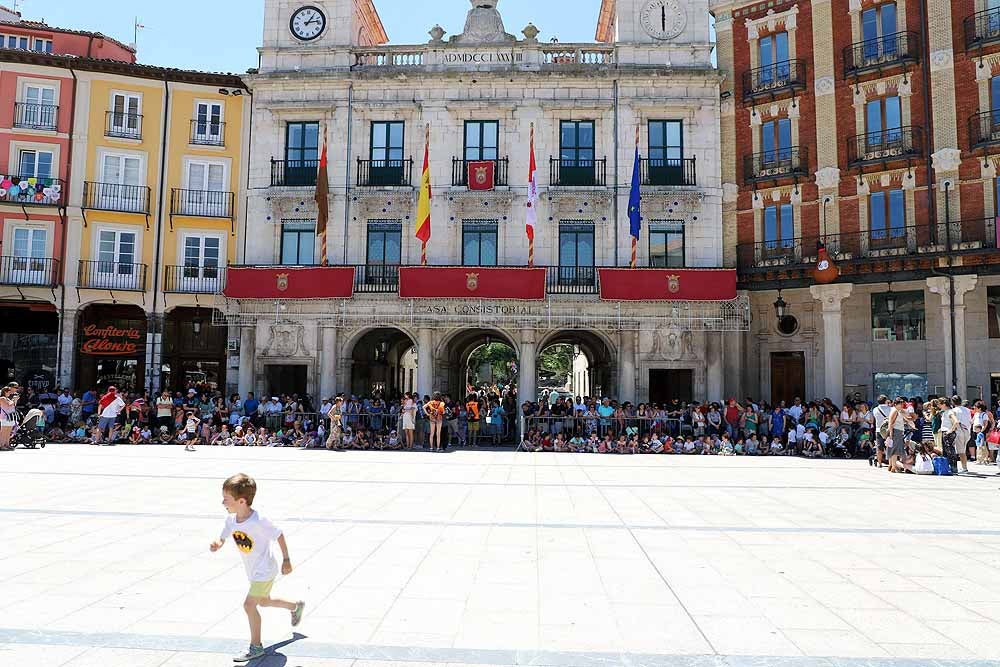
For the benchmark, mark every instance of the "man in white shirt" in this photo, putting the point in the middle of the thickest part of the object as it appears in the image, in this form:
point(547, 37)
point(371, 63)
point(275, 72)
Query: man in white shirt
point(961, 426)
point(111, 405)
point(796, 410)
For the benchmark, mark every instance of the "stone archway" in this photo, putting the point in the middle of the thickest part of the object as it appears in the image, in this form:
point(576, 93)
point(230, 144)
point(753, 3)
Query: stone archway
point(594, 365)
point(383, 361)
point(454, 351)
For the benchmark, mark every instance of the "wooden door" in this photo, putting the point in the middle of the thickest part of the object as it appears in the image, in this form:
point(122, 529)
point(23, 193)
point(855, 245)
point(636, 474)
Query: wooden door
point(788, 377)
point(668, 384)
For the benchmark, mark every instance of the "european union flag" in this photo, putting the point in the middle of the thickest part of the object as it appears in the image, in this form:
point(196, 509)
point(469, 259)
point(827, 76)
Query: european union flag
point(635, 200)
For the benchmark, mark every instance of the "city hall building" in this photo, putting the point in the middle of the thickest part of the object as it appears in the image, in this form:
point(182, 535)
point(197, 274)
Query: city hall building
point(366, 315)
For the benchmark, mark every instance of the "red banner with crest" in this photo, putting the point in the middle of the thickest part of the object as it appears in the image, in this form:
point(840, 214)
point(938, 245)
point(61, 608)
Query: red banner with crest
point(468, 282)
point(321, 282)
point(482, 174)
point(668, 284)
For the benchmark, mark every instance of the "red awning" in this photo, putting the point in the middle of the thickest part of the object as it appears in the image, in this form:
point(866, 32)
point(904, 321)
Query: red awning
point(668, 284)
point(320, 282)
point(473, 282)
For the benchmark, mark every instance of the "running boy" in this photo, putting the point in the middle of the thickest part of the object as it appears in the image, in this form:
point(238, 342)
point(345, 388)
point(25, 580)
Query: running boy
point(253, 535)
point(191, 432)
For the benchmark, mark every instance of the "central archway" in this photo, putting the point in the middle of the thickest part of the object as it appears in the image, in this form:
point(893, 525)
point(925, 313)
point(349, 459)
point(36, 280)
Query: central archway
point(493, 353)
point(384, 364)
point(576, 362)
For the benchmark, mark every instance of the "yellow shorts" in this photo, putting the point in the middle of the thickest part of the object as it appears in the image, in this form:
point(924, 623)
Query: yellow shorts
point(260, 589)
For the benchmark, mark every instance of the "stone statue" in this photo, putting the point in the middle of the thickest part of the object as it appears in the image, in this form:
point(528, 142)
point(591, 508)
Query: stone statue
point(483, 25)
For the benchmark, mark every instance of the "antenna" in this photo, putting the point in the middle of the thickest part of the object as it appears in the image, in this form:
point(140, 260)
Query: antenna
point(135, 31)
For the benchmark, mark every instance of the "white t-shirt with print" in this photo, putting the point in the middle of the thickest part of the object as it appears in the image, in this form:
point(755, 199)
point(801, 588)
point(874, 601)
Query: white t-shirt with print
point(253, 538)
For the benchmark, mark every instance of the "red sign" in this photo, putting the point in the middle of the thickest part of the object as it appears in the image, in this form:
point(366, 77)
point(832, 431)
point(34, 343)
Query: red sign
point(482, 175)
point(668, 284)
point(111, 341)
point(472, 282)
point(320, 282)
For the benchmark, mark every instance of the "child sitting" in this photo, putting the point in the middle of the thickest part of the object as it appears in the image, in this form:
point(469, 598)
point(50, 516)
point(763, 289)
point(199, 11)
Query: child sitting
point(689, 445)
point(706, 445)
point(776, 446)
point(135, 437)
point(726, 446)
point(655, 445)
point(577, 443)
point(146, 434)
point(559, 444)
point(251, 438)
point(753, 445)
point(392, 442)
point(740, 447)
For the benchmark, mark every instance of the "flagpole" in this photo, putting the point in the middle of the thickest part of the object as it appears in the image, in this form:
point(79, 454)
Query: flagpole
point(531, 176)
point(427, 148)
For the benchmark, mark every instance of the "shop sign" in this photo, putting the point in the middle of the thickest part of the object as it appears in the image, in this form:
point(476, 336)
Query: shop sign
point(41, 381)
point(110, 341)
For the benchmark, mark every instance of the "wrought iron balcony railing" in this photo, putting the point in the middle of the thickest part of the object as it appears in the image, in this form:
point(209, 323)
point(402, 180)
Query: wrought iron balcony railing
point(773, 80)
point(202, 203)
point(294, 173)
point(982, 28)
point(984, 129)
point(903, 143)
point(36, 116)
point(571, 280)
point(385, 173)
point(123, 125)
point(579, 172)
point(777, 164)
point(871, 55)
point(460, 171)
point(208, 133)
point(668, 171)
point(193, 279)
point(112, 275)
point(33, 191)
point(30, 271)
point(116, 197)
point(376, 278)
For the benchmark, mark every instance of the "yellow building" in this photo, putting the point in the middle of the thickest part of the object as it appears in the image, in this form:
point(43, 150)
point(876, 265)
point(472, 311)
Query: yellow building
point(158, 172)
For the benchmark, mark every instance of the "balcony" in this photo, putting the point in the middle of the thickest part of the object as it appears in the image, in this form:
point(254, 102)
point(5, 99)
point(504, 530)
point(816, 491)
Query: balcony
point(875, 55)
point(36, 116)
point(385, 173)
point(116, 197)
point(193, 279)
point(460, 172)
point(577, 173)
point(33, 191)
point(294, 173)
point(775, 165)
point(112, 275)
point(122, 125)
point(984, 129)
point(982, 29)
point(772, 81)
point(208, 133)
point(30, 271)
point(571, 280)
point(376, 279)
point(202, 203)
point(668, 172)
point(899, 144)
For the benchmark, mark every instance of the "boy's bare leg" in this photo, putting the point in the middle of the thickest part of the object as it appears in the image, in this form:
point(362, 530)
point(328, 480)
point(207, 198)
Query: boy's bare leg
point(253, 616)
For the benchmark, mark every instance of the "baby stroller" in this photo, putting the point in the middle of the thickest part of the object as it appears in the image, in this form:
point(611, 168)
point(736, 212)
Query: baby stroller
point(28, 435)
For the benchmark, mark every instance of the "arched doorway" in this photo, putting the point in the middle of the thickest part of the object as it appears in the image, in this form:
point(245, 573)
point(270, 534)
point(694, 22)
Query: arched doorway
point(194, 351)
point(575, 363)
point(111, 347)
point(484, 361)
point(384, 363)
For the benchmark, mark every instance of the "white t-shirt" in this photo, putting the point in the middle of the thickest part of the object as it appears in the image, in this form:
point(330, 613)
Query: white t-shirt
point(796, 412)
point(882, 413)
point(114, 407)
point(964, 417)
point(923, 465)
point(253, 538)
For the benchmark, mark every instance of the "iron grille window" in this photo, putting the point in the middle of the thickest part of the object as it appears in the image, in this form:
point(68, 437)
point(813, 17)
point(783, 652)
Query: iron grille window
point(298, 242)
point(480, 242)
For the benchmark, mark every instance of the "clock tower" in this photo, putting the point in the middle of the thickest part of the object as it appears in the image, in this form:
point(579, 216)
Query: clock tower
point(654, 22)
point(289, 24)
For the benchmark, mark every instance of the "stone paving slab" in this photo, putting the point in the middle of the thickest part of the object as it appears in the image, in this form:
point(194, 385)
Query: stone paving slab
point(499, 559)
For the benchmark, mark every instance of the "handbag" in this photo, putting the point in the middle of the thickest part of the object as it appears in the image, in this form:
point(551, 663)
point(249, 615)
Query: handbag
point(941, 466)
point(993, 438)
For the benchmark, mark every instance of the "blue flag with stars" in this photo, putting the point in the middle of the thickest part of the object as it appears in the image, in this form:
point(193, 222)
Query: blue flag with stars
point(635, 200)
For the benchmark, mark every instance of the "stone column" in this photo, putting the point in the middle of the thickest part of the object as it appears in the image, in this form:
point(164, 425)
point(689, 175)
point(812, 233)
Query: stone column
point(67, 354)
point(248, 356)
point(154, 351)
point(626, 366)
point(832, 298)
point(526, 389)
point(940, 285)
point(425, 362)
point(328, 363)
point(714, 362)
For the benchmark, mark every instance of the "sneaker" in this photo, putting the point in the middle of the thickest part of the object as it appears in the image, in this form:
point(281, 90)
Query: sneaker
point(297, 613)
point(251, 653)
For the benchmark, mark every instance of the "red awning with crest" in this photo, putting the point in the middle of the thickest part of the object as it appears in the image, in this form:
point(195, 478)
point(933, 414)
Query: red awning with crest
point(471, 282)
point(668, 284)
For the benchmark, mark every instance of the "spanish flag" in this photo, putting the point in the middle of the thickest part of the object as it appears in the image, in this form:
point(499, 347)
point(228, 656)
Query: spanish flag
point(424, 203)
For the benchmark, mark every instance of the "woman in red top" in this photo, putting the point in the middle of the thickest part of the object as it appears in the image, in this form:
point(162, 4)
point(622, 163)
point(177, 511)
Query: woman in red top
point(732, 417)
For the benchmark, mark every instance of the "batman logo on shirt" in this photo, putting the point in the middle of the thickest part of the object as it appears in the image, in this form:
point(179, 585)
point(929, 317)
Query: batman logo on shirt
point(243, 541)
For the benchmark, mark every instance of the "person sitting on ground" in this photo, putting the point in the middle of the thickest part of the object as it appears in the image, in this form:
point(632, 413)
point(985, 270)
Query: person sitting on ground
point(753, 445)
point(739, 446)
point(706, 445)
point(578, 443)
point(726, 446)
point(777, 447)
point(135, 437)
point(392, 442)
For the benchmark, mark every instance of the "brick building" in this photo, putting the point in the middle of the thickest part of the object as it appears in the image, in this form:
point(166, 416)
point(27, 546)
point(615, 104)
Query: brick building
point(871, 127)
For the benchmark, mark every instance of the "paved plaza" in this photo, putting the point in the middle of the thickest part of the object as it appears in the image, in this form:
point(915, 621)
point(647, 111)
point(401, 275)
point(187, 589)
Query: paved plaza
point(497, 558)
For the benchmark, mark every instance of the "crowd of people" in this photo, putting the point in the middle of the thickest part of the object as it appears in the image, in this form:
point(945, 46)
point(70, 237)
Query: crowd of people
point(903, 434)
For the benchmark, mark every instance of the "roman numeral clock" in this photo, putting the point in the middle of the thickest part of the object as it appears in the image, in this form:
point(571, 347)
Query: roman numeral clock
point(663, 19)
point(307, 23)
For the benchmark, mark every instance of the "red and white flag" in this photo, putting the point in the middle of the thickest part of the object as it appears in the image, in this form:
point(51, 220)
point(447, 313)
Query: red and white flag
point(532, 214)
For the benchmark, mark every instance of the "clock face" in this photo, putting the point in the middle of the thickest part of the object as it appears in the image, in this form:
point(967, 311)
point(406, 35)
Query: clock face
point(307, 23)
point(663, 19)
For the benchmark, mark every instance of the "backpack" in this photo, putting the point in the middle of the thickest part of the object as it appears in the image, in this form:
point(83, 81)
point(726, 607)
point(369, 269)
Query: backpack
point(883, 430)
point(941, 466)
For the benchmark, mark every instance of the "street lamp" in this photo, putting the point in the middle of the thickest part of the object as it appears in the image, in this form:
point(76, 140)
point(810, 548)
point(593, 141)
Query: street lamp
point(890, 302)
point(779, 307)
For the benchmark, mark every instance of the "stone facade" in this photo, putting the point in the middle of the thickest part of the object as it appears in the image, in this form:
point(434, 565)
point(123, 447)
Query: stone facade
point(348, 83)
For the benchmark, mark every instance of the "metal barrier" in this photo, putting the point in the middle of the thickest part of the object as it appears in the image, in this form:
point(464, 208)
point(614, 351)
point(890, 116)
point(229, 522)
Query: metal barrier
point(586, 425)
